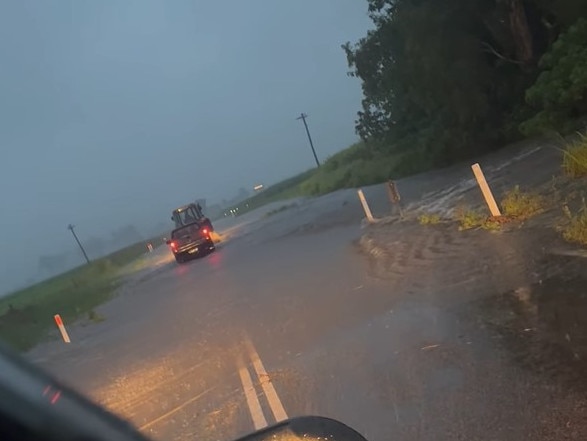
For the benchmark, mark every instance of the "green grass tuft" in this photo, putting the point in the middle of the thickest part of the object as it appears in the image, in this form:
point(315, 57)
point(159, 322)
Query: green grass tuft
point(575, 158)
point(429, 219)
point(520, 205)
point(469, 219)
point(575, 230)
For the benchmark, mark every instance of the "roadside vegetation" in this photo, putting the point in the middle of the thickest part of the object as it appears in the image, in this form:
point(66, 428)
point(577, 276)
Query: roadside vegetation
point(575, 227)
point(518, 205)
point(575, 157)
point(468, 219)
point(26, 316)
point(353, 167)
point(429, 219)
point(574, 166)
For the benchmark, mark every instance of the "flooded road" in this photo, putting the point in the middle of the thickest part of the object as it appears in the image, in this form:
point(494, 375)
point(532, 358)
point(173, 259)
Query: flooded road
point(446, 335)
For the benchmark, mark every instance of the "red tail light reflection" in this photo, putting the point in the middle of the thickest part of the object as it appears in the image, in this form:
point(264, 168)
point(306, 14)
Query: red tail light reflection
point(55, 395)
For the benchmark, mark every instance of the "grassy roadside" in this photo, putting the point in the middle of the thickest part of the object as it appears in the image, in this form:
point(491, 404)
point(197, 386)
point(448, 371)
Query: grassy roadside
point(287, 189)
point(358, 166)
point(352, 167)
point(26, 316)
point(565, 196)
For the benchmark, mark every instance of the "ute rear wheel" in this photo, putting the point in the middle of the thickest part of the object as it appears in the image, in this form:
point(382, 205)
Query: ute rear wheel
point(179, 258)
point(210, 245)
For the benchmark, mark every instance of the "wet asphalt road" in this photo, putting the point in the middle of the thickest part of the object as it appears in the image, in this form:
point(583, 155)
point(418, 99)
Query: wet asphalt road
point(413, 356)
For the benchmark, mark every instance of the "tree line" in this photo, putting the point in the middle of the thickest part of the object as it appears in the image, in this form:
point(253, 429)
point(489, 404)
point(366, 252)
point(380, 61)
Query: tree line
point(447, 79)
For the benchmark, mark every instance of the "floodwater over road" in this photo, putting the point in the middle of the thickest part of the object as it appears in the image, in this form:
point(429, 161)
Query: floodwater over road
point(447, 335)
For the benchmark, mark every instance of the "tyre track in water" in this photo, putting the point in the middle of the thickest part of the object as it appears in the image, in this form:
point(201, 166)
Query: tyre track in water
point(415, 257)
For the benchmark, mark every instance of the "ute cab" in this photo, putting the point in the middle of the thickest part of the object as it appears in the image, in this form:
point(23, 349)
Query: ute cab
point(189, 214)
point(191, 236)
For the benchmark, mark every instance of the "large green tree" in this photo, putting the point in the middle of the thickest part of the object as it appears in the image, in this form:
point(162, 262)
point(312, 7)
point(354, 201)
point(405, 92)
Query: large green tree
point(449, 76)
point(560, 93)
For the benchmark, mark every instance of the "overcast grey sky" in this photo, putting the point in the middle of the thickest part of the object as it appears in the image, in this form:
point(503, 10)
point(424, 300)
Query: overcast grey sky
point(115, 111)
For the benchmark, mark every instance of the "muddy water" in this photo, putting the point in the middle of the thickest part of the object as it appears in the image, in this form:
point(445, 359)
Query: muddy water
point(544, 327)
point(524, 286)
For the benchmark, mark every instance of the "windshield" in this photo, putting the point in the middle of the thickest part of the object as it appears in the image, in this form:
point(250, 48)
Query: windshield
point(186, 216)
point(218, 216)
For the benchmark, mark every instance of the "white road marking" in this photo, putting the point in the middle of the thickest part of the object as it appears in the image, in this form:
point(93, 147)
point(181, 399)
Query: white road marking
point(259, 420)
point(272, 397)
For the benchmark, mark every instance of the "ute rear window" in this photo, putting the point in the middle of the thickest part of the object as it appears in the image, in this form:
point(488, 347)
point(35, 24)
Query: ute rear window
point(189, 230)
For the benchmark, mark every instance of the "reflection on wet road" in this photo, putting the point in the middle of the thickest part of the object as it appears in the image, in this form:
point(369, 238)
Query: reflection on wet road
point(462, 336)
point(544, 326)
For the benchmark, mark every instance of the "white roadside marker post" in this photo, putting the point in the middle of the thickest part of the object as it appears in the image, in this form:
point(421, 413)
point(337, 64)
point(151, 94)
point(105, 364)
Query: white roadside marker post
point(489, 199)
point(62, 329)
point(365, 206)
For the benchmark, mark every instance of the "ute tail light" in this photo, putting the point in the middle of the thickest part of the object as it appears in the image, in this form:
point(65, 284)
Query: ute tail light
point(173, 245)
point(205, 231)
